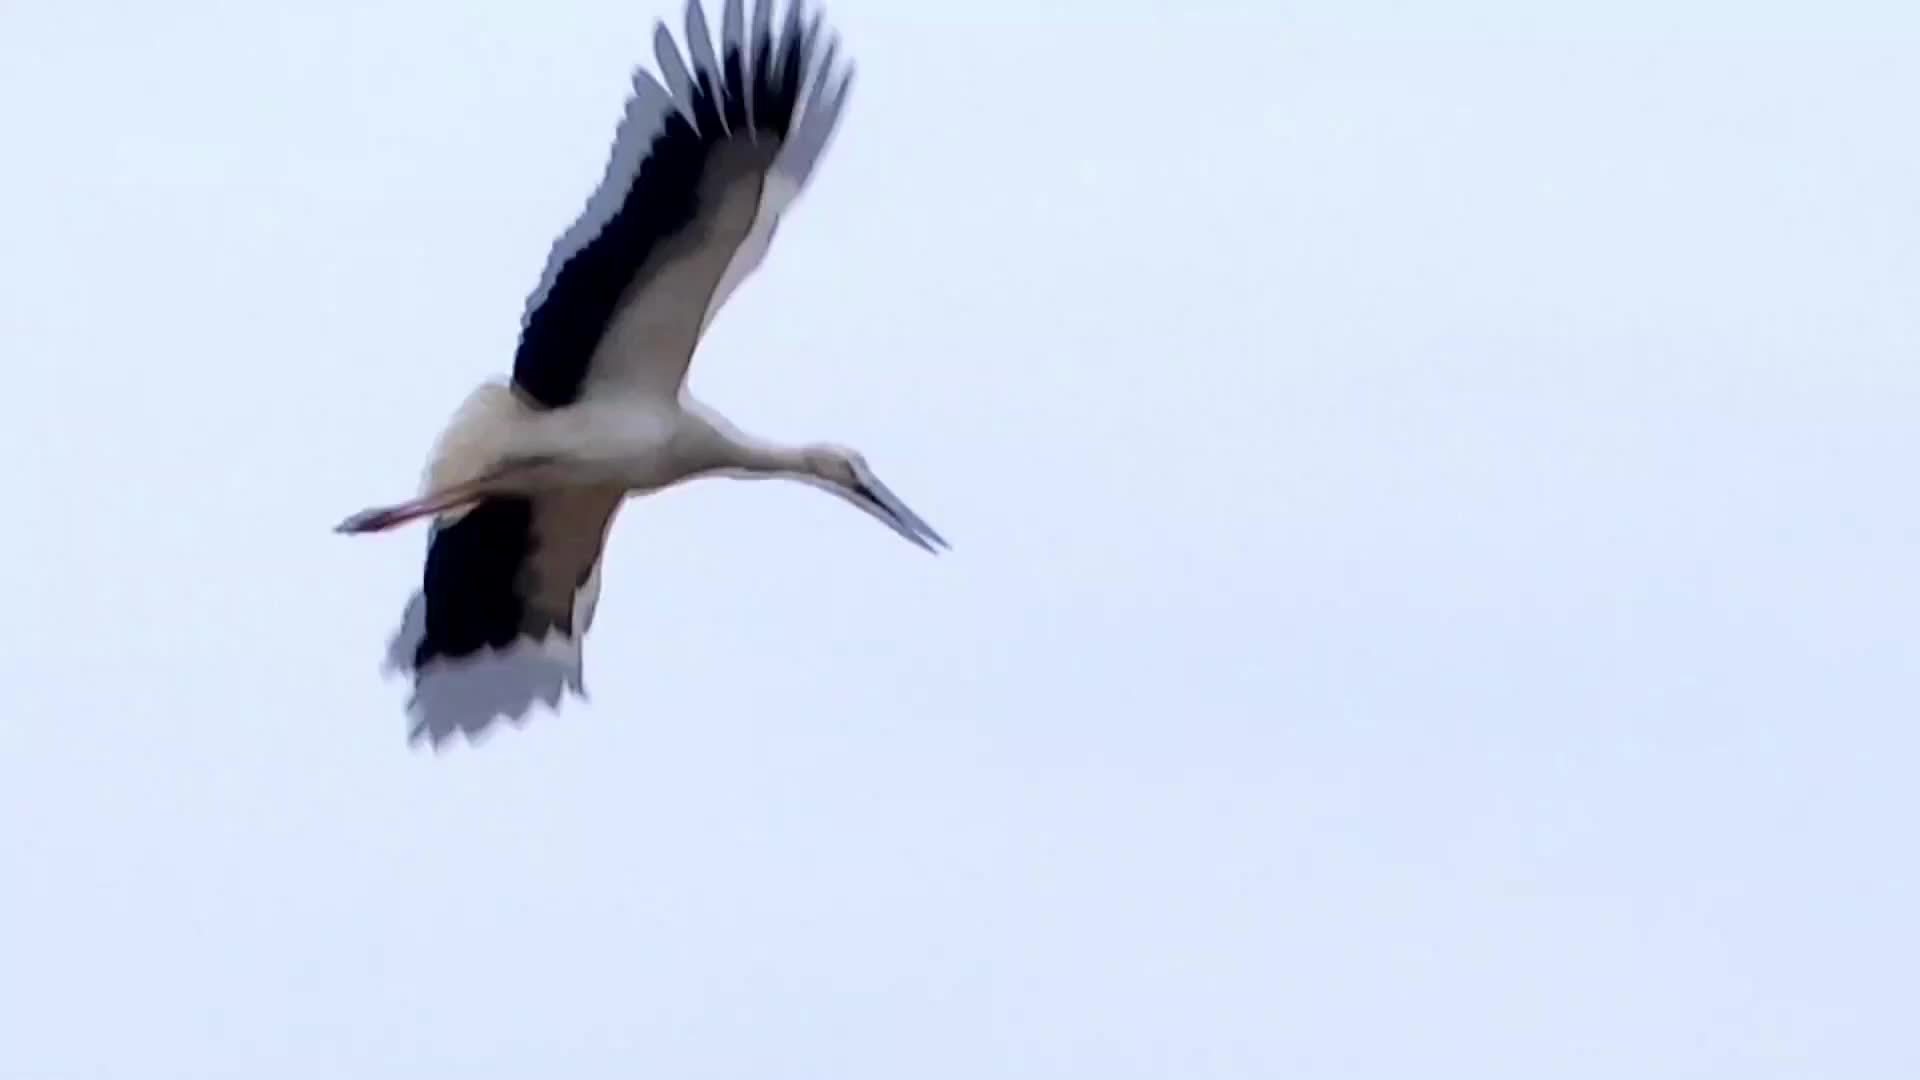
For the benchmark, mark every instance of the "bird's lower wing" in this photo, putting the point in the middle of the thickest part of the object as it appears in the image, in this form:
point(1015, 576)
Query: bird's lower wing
point(507, 595)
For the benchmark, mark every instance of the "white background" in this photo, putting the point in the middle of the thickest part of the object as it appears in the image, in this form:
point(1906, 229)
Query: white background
point(1435, 588)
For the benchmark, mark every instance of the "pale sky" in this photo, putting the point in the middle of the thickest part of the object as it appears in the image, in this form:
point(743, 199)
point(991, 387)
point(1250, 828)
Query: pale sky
point(1436, 588)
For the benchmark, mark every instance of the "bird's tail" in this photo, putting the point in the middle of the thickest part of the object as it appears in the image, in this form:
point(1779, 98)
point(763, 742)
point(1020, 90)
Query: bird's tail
point(475, 437)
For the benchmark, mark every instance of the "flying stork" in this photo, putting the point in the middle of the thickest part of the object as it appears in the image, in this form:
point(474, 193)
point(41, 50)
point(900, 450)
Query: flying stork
point(525, 480)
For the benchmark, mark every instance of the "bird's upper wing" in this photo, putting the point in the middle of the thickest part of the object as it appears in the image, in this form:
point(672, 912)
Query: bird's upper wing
point(509, 592)
point(702, 168)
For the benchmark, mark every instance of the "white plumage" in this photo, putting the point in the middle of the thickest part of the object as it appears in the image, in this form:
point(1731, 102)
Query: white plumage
point(525, 481)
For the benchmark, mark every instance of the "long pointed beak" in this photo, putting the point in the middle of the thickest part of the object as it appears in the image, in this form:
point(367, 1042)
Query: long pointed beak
point(875, 498)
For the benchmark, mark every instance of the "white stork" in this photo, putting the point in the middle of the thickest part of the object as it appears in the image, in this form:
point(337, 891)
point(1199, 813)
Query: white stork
point(525, 480)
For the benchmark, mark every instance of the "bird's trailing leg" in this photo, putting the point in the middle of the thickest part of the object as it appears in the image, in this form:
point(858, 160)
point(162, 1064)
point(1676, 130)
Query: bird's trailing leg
point(379, 518)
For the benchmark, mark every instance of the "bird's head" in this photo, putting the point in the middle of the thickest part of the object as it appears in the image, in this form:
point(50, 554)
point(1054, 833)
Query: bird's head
point(845, 473)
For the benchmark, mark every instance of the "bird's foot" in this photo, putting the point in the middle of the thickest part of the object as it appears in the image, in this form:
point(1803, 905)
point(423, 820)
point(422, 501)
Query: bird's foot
point(380, 518)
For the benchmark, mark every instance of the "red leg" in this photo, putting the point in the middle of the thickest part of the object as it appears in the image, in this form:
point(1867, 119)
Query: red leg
point(380, 518)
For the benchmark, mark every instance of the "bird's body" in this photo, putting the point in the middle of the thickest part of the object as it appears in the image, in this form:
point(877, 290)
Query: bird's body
point(640, 442)
point(525, 481)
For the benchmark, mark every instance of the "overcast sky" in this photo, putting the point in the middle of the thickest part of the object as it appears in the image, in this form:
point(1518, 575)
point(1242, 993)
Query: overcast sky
point(1436, 586)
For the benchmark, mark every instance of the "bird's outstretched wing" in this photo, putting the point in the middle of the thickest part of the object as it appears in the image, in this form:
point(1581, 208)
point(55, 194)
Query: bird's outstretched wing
point(702, 167)
point(509, 593)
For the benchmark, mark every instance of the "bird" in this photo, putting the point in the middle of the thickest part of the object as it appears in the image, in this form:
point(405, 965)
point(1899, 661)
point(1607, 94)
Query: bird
point(524, 481)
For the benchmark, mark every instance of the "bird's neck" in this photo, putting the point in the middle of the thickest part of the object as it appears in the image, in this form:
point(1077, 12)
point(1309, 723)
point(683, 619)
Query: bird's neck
point(738, 453)
point(758, 457)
